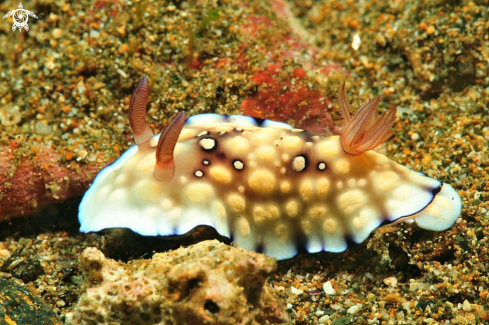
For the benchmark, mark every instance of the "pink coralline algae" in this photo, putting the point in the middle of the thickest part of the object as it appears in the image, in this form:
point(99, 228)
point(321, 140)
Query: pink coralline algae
point(30, 183)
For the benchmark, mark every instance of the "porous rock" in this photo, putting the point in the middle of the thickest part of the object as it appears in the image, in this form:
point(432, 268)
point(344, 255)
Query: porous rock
point(207, 283)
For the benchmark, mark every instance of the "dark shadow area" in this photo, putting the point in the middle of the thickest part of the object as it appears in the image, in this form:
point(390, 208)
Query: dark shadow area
point(125, 245)
point(355, 259)
point(53, 218)
point(359, 259)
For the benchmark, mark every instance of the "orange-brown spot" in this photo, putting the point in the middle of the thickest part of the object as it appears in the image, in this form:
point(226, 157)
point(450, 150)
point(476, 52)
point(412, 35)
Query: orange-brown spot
point(14, 144)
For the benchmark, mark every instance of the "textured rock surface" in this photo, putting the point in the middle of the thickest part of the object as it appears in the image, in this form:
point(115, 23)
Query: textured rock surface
point(207, 283)
point(19, 306)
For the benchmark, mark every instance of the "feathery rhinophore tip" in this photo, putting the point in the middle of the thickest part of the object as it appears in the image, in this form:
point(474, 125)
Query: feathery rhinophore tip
point(365, 130)
point(165, 165)
point(137, 113)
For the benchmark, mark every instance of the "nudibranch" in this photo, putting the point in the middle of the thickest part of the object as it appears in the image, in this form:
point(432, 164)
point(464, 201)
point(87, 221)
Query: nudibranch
point(266, 185)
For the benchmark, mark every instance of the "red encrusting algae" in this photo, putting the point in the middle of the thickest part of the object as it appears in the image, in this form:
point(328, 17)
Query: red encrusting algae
point(288, 100)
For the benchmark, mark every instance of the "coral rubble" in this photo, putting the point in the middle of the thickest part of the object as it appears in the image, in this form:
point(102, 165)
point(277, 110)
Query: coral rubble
point(207, 283)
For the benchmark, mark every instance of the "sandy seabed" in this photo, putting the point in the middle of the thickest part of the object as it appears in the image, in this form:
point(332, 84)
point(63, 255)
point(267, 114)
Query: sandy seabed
point(64, 91)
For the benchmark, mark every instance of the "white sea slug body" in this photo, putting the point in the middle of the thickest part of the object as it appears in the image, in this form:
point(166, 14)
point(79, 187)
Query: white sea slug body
point(266, 185)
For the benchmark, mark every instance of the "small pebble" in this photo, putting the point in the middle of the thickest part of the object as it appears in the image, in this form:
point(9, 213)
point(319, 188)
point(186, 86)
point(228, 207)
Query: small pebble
point(413, 286)
point(328, 288)
point(466, 306)
point(42, 128)
point(94, 33)
point(10, 115)
point(4, 253)
point(357, 41)
point(354, 309)
point(430, 30)
point(406, 305)
point(296, 291)
point(323, 319)
point(57, 33)
point(391, 281)
point(122, 73)
point(336, 307)
point(415, 136)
